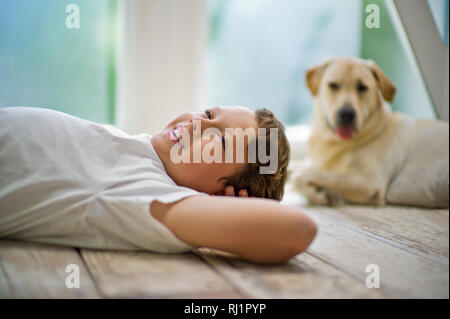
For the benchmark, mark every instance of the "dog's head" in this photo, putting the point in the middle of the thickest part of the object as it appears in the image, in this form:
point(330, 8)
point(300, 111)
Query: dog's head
point(348, 90)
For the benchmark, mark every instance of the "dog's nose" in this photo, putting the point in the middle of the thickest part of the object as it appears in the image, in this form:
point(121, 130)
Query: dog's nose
point(346, 116)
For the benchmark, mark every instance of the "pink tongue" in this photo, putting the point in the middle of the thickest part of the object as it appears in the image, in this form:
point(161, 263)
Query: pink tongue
point(345, 132)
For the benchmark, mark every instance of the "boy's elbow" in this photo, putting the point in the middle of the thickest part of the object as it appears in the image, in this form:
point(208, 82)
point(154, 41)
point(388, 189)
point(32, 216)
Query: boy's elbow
point(297, 240)
point(306, 231)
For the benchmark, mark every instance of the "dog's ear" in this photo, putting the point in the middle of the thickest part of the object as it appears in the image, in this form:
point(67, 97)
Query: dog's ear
point(314, 75)
point(387, 88)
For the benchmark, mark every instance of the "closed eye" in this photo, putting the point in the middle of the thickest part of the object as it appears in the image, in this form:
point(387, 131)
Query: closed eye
point(223, 141)
point(208, 114)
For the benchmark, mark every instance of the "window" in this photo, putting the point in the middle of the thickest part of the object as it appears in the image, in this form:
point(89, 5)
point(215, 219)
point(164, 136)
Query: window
point(439, 9)
point(385, 47)
point(45, 64)
point(257, 54)
point(259, 50)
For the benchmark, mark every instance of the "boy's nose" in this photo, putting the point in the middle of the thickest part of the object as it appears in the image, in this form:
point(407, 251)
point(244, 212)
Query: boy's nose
point(192, 123)
point(205, 122)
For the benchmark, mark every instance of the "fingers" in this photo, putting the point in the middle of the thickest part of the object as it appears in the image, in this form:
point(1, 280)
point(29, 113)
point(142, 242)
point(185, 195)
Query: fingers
point(243, 193)
point(229, 191)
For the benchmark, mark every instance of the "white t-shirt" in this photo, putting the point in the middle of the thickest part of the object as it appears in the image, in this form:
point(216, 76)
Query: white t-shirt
point(68, 181)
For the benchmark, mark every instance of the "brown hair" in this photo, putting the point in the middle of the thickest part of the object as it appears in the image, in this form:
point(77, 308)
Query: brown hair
point(249, 178)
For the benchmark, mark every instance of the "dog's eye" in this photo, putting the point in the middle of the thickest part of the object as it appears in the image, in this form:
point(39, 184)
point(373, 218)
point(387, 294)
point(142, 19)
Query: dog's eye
point(333, 86)
point(362, 87)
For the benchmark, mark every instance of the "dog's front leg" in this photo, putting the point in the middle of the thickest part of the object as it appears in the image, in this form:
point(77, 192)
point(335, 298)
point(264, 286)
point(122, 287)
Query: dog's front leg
point(316, 193)
point(331, 188)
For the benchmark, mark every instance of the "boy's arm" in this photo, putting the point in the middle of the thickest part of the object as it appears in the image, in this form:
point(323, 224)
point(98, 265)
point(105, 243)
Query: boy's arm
point(259, 230)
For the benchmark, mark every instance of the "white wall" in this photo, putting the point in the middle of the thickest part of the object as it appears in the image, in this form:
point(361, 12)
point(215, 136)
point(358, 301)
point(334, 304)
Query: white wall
point(161, 62)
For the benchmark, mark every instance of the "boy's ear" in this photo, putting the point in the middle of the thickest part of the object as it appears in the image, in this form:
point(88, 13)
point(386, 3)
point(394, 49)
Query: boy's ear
point(314, 75)
point(387, 88)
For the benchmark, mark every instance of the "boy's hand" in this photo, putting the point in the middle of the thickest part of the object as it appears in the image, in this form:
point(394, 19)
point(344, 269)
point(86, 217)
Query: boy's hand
point(229, 191)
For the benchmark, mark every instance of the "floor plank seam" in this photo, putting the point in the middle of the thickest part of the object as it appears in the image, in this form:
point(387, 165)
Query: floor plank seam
point(8, 281)
point(94, 282)
point(386, 293)
point(223, 276)
point(429, 250)
point(404, 247)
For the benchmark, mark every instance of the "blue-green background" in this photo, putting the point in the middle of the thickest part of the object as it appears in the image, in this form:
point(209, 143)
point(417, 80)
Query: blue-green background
point(257, 54)
point(45, 64)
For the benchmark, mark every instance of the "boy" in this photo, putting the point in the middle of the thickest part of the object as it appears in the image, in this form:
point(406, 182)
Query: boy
point(72, 182)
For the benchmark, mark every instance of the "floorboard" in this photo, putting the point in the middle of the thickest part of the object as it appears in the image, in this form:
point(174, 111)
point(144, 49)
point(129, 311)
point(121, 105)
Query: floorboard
point(409, 245)
point(422, 231)
point(31, 270)
point(304, 276)
point(403, 273)
point(152, 275)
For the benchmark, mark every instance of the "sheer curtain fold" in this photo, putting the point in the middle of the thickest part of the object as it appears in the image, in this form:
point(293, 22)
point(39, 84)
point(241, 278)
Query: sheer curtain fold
point(161, 62)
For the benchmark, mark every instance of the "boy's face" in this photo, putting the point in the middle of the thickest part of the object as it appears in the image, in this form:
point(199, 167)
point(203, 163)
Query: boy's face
point(202, 176)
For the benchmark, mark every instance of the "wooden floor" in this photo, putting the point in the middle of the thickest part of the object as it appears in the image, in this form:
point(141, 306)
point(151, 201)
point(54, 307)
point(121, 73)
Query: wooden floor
point(410, 246)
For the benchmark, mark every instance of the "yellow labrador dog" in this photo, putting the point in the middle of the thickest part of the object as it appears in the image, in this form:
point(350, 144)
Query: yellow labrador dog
point(364, 153)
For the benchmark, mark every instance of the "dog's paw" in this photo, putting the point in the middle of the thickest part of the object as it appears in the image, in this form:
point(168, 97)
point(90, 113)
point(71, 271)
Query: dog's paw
point(315, 194)
point(328, 197)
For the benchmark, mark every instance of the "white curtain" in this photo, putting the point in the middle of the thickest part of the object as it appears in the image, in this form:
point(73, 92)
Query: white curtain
point(161, 62)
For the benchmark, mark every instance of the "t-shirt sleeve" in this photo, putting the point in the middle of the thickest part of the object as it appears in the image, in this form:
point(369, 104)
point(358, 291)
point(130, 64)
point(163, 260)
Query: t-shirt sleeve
point(125, 222)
